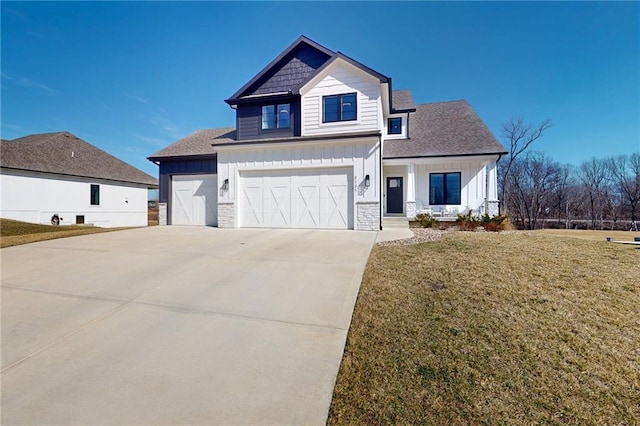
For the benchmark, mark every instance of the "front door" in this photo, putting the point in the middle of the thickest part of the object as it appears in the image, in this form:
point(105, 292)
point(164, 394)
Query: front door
point(394, 195)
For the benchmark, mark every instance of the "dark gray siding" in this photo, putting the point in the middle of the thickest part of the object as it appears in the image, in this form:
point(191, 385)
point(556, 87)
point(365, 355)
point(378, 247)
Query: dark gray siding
point(183, 167)
point(294, 68)
point(249, 121)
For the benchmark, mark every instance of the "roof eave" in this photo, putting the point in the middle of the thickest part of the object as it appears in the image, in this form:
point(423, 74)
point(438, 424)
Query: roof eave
point(471, 154)
point(23, 169)
point(178, 157)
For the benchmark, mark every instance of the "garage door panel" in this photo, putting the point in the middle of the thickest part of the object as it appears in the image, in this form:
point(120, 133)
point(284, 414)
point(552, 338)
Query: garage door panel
point(279, 206)
point(308, 206)
point(316, 198)
point(194, 200)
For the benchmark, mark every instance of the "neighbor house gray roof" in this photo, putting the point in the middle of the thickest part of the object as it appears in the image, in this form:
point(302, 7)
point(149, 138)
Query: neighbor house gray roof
point(444, 129)
point(65, 154)
point(197, 143)
point(402, 100)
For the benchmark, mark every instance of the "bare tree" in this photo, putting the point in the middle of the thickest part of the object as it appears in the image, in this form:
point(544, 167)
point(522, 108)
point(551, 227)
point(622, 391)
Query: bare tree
point(594, 175)
point(532, 184)
point(519, 136)
point(625, 171)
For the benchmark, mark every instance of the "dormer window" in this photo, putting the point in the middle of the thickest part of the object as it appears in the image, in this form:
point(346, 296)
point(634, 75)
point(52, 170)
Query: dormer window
point(276, 116)
point(339, 108)
point(394, 126)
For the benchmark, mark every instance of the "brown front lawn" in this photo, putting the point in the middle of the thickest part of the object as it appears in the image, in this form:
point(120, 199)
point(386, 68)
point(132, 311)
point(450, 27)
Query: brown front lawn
point(484, 328)
point(13, 232)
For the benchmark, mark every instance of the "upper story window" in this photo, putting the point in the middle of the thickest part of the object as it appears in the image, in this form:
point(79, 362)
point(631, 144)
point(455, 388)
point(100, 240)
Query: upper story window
point(276, 116)
point(339, 108)
point(95, 195)
point(394, 126)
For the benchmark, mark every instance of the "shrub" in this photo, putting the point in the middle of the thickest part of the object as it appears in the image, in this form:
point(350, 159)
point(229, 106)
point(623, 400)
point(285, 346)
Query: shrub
point(494, 223)
point(468, 222)
point(426, 220)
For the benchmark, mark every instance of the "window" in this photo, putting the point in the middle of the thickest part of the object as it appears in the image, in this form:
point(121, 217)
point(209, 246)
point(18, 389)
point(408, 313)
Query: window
point(339, 108)
point(276, 116)
point(444, 188)
point(95, 195)
point(394, 126)
point(80, 220)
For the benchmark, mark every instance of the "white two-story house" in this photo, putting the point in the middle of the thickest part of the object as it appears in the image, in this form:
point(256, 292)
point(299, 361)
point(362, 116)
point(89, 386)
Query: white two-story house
point(323, 141)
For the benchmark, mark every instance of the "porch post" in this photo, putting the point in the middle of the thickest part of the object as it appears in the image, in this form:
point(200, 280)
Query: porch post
point(411, 192)
point(491, 204)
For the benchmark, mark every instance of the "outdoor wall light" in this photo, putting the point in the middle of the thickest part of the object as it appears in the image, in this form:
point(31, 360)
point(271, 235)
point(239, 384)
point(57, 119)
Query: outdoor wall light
point(225, 185)
point(367, 181)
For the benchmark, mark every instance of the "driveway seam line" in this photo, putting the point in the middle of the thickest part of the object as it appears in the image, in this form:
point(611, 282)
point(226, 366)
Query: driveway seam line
point(238, 316)
point(70, 295)
point(81, 328)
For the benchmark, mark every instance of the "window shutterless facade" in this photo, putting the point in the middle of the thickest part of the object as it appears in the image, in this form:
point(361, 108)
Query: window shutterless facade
point(444, 188)
point(276, 116)
point(339, 108)
point(394, 126)
point(95, 195)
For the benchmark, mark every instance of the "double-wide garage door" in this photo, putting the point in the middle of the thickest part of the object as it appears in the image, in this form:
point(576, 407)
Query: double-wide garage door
point(313, 198)
point(194, 200)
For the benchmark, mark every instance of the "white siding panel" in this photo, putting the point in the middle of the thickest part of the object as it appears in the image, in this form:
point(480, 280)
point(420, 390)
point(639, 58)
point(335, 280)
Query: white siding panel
point(342, 79)
point(35, 197)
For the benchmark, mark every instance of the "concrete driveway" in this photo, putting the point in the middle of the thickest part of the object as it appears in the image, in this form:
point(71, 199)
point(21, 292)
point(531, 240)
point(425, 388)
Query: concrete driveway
point(175, 325)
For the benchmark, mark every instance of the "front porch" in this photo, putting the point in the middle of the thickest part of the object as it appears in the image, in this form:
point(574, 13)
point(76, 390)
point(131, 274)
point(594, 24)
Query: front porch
point(441, 187)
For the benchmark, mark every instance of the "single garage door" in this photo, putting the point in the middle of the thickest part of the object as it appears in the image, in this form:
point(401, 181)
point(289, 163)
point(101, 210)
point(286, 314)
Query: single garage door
point(194, 200)
point(313, 198)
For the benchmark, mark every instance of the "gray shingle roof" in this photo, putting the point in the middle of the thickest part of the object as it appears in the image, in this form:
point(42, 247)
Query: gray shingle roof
point(197, 143)
point(402, 100)
point(444, 129)
point(66, 154)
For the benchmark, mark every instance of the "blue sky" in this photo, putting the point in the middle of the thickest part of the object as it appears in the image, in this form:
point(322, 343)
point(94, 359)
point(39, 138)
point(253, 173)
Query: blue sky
point(132, 78)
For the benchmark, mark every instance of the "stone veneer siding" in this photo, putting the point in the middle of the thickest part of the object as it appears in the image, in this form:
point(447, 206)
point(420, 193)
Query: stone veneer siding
point(368, 216)
point(411, 209)
point(226, 215)
point(492, 207)
point(162, 214)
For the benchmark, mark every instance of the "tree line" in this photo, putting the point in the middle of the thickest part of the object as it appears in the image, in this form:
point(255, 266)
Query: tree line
point(537, 191)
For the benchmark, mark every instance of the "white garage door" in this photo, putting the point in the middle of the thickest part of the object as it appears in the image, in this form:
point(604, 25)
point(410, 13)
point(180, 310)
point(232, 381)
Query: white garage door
point(194, 200)
point(314, 198)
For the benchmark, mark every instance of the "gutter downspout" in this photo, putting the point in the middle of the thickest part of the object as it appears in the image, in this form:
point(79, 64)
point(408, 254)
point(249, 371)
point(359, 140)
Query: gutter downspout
point(381, 182)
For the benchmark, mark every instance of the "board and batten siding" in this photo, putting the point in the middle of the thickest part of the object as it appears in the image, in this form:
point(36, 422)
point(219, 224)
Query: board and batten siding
point(363, 156)
point(339, 80)
point(35, 197)
point(473, 180)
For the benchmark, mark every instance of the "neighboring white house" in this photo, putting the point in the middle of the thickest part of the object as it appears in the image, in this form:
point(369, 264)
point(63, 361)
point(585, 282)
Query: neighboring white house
point(322, 141)
point(59, 173)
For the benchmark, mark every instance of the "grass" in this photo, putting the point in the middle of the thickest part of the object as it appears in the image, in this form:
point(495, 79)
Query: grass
point(591, 235)
point(483, 328)
point(13, 232)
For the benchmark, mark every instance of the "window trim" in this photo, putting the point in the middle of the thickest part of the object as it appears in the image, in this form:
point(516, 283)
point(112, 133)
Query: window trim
point(339, 97)
point(389, 132)
point(444, 188)
point(94, 197)
point(276, 123)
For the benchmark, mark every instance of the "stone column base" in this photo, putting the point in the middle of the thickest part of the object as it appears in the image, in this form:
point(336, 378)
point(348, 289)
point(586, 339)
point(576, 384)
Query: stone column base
point(492, 207)
point(226, 215)
point(411, 209)
point(368, 216)
point(162, 214)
